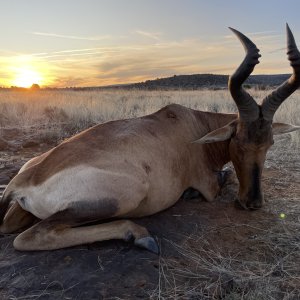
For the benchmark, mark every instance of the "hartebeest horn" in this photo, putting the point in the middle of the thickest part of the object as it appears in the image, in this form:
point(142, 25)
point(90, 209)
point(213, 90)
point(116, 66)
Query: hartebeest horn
point(272, 102)
point(248, 108)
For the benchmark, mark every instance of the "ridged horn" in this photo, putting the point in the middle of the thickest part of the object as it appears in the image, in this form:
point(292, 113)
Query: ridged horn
point(271, 103)
point(247, 107)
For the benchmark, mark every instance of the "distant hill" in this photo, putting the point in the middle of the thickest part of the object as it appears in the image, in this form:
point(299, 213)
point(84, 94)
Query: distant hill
point(202, 81)
point(192, 82)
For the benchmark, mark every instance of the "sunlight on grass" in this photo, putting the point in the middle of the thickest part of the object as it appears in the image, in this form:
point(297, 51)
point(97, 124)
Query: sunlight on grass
point(82, 109)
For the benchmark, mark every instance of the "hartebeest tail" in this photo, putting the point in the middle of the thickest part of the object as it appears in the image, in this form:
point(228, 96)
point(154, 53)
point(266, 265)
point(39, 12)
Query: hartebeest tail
point(134, 168)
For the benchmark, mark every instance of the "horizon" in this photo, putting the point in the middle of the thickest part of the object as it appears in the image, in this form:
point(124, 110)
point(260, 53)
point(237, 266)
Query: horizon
point(35, 86)
point(100, 43)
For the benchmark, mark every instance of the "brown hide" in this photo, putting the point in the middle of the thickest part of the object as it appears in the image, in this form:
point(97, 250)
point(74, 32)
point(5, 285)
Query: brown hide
point(156, 147)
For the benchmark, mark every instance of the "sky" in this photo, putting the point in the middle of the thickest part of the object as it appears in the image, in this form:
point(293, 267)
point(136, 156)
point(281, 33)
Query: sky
point(64, 43)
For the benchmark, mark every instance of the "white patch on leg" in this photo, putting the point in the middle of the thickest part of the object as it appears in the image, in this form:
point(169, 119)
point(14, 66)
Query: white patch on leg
point(82, 183)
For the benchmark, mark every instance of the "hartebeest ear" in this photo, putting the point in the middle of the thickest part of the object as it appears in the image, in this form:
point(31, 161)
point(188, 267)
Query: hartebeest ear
point(218, 135)
point(280, 128)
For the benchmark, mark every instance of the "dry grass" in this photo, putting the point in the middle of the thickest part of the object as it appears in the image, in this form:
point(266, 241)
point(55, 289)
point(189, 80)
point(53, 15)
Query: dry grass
point(267, 268)
point(270, 269)
point(58, 114)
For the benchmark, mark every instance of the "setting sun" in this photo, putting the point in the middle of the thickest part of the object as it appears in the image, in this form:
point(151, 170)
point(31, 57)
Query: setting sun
point(26, 77)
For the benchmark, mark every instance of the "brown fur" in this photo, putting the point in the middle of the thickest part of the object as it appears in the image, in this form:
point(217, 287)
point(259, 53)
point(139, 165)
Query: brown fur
point(82, 148)
point(154, 162)
point(248, 149)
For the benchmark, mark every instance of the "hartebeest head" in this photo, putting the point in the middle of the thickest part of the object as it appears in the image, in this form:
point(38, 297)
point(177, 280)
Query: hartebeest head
point(251, 135)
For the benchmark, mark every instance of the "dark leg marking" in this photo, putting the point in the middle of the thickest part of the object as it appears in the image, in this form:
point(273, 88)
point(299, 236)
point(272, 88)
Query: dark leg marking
point(92, 210)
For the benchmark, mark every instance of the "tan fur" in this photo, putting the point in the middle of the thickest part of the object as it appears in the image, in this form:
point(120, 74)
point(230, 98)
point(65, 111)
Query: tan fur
point(120, 169)
point(43, 236)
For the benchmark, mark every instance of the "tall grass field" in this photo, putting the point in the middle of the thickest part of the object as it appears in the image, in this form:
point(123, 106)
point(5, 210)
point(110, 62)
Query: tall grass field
point(64, 112)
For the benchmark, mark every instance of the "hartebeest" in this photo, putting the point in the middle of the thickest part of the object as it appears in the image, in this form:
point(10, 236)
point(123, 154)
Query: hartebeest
point(133, 168)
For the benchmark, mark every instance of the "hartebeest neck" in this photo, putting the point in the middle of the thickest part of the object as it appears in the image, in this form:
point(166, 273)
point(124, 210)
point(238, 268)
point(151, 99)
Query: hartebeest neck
point(216, 153)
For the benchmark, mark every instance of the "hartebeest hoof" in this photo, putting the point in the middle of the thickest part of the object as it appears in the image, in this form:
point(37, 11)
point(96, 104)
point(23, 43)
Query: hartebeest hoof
point(148, 243)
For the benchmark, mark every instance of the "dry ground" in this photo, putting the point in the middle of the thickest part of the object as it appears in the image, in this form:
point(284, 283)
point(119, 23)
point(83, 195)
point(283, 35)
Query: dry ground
point(208, 250)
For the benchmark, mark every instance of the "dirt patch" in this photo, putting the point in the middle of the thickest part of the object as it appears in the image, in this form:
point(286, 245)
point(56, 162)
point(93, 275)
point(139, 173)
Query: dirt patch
point(208, 250)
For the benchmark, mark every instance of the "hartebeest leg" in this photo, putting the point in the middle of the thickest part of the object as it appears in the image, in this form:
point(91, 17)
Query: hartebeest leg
point(209, 184)
point(50, 234)
point(16, 218)
point(221, 178)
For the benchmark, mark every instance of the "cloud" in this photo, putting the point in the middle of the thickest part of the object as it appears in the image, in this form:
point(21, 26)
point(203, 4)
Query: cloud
point(126, 63)
point(278, 50)
point(266, 33)
point(64, 56)
point(151, 35)
point(73, 37)
point(166, 59)
point(135, 60)
point(70, 81)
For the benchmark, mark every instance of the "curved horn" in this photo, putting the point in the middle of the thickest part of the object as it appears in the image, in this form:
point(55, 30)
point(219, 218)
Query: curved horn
point(272, 102)
point(248, 108)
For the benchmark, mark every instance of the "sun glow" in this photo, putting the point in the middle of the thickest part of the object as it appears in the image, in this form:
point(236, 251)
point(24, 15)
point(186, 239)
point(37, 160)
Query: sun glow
point(26, 77)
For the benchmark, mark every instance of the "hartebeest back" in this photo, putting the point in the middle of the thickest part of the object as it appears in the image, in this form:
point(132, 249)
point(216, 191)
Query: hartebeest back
point(133, 168)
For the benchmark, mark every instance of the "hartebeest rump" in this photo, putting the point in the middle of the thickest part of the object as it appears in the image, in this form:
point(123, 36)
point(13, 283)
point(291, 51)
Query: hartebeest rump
point(137, 167)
